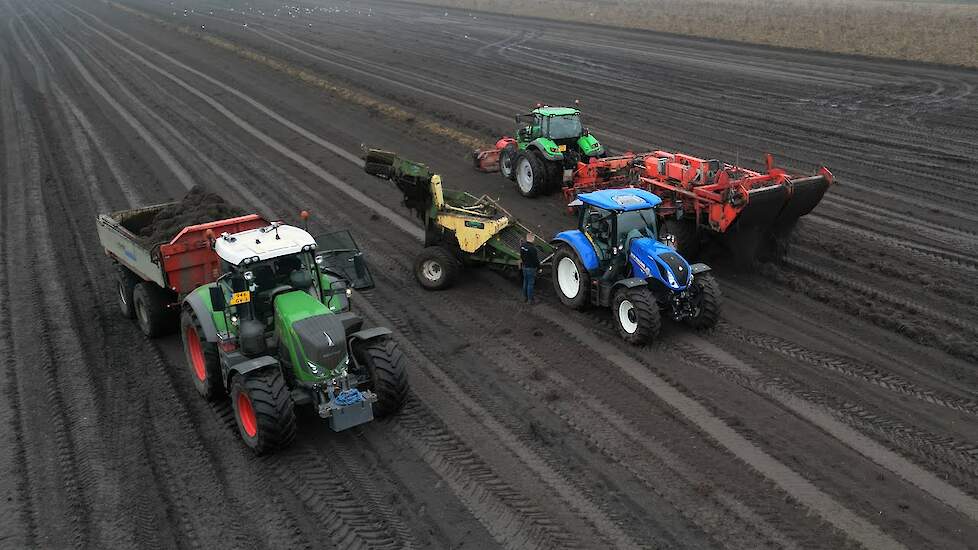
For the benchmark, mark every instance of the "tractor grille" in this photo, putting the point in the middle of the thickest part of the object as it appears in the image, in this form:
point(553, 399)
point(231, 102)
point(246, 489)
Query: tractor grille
point(677, 265)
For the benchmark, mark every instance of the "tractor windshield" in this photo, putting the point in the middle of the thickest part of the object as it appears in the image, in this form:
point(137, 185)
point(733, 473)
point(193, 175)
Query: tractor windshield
point(564, 127)
point(642, 221)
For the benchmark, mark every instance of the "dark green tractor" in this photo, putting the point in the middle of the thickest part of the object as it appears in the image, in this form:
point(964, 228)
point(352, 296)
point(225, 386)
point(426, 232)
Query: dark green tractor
point(549, 143)
point(276, 330)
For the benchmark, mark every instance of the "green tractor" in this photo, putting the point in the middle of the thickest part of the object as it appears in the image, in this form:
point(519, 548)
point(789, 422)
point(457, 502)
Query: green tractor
point(275, 330)
point(549, 143)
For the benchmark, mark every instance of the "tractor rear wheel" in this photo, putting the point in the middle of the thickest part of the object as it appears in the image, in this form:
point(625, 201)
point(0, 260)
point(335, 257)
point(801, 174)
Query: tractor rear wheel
point(636, 315)
point(507, 162)
point(150, 304)
point(571, 281)
point(687, 236)
point(436, 268)
point(706, 302)
point(125, 284)
point(263, 410)
point(531, 174)
point(202, 357)
point(388, 377)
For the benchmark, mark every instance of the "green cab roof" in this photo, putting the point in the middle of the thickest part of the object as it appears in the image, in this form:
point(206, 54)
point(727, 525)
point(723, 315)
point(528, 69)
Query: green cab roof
point(555, 111)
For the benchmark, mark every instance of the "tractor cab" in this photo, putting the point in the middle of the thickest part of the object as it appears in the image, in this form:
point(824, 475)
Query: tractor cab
point(611, 220)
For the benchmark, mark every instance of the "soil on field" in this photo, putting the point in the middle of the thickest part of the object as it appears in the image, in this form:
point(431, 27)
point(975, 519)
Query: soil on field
point(835, 405)
point(196, 207)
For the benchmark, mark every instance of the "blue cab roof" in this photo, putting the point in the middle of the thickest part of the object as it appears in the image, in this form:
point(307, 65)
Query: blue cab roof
point(621, 200)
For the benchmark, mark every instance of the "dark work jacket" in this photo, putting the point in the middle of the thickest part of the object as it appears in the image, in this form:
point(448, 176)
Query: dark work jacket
point(529, 255)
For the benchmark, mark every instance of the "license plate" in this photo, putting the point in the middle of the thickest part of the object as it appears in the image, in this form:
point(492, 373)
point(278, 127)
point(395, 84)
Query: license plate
point(562, 148)
point(240, 298)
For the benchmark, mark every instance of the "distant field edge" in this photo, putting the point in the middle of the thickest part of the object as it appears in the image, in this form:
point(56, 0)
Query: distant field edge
point(925, 33)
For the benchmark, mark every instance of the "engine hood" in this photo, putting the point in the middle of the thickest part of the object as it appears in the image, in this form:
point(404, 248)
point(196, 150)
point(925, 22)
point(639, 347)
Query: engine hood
point(651, 258)
point(311, 332)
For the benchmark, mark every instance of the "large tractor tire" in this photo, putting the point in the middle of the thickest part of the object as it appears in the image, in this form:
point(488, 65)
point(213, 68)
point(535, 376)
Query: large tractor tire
point(436, 268)
point(263, 410)
point(152, 314)
point(388, 377)
point(125, 284)
point(202, 358)
point(571, 281)
point(531, 174)
point(706, 302)
point(507, 162)
point(687, 236)
point(636, 315)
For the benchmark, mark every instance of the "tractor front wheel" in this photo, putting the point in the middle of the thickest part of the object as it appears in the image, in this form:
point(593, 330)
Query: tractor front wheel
point(636, 315)
point(388, 378)
point(571, 281)
point(436, 268)
point(202, 357)
point(263, 410)
point(706, 302)
point(531, 174)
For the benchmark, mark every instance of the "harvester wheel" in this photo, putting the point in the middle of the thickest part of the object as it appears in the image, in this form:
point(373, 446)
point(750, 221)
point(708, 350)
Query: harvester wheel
point(263, 410)
point(150, 303)
point(636, 315)
point(507, 162)
point(706, 302)
point(388, 377)
point(125, 284)
point(571, 281)
point(202, 357)
point(687, 237)
point(531, 174)
point(436, 268)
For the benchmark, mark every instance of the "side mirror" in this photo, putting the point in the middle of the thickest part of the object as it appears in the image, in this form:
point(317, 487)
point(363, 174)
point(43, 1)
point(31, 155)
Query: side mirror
point(217, 299)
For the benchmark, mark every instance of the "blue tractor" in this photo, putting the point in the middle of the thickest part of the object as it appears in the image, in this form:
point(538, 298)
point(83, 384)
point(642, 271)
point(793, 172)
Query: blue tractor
point(615, 258)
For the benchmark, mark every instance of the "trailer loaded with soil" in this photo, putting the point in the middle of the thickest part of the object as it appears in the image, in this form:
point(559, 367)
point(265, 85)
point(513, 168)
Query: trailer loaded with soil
point(264, 314)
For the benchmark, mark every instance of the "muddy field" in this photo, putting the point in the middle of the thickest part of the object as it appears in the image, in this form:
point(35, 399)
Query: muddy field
point(835, 406)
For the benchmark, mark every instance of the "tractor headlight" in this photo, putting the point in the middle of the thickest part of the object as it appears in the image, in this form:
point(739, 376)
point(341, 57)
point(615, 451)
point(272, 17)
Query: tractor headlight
point(249, 275)
point(320, 260)
point(672, 280)
point(349, 292)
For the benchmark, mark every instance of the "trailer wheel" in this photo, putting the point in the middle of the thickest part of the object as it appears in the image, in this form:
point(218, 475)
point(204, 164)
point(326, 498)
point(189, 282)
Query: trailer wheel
point(150, 303)
point(636, 315)
point(125, 284)
point(388, 377)
point(705, 302)
point(531, 175)
point(202, 357)
point(571, 281)
point(436, 268)
point(263, 410)
point(687, 236)
point(507, 162)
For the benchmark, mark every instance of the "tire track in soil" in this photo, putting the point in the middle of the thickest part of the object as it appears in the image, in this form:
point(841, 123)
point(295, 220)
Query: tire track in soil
point(866, 373)
point(278, 539)
point(21, 527)
point(228, 412)
point(583, 420)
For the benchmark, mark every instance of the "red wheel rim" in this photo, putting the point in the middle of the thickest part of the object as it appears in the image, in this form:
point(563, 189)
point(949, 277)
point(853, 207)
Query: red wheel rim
point(246, 415)
point(196, 354)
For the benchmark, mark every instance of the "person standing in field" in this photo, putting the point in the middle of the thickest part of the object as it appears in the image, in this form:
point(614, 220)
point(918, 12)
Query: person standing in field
point(529, 264)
